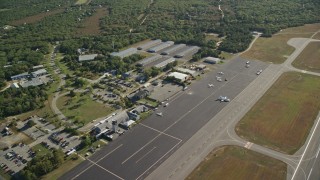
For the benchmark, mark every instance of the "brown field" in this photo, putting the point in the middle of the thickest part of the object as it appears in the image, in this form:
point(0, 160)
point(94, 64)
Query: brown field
point(233, 162)
point(36, 18)
point(276, 49)
point(91, 25)
point(283, 117)
point(309, 58)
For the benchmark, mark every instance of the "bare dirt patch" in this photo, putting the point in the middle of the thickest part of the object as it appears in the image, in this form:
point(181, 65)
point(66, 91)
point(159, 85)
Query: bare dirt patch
point(36, 18)
point(233, 162)
point(309, 58)
point(91, 25)
point(283, 117)
point(276, 49)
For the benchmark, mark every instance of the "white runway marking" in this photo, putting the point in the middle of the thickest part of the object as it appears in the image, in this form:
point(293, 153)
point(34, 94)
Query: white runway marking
point(309, 174)
point(105, 169)
point(97, 161)
point(160, 132)
point(305, 150)
point(248, 145)
point(146, 154)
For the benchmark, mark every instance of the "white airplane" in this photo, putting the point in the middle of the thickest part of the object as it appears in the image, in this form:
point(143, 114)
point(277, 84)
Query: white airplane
point(220, 73)
point(219, 79)
point(210, 85)
point(159, 114)
point(223, 99)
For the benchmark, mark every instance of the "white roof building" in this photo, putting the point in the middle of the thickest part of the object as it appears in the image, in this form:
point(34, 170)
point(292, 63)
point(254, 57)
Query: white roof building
point(182, 77)
point(125, 53)
point(149, 44)
point(187, 71)
point(88, 57)
point(160, 46)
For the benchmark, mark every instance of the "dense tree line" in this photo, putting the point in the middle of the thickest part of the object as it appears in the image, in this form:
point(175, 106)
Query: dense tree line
point(15, 101)
point(41, 165)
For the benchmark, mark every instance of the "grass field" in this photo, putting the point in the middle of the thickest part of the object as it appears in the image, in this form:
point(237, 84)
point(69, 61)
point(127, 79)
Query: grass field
point(283, 117)
point(276, 49)
point(309, 58)
point(91, 25)
point(41, 150)
point(233, 162)
point(36, 18)
point(82, 108)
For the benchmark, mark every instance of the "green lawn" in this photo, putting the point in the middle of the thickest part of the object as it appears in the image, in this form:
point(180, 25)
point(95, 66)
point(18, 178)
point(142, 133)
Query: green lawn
point(283, 117)
point(276, 49)
point(309, 58)
point(237, 163)
point(82, 109)
point(40, 150)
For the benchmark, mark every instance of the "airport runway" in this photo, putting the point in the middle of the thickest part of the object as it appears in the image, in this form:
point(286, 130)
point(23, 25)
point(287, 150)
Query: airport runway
point(193, 124)
point(136, 154)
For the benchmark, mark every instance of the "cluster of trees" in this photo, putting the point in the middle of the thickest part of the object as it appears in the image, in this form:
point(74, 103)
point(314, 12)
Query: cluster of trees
point(41, 165)
point(205, 52)
point(15, 101)
point(103, 64)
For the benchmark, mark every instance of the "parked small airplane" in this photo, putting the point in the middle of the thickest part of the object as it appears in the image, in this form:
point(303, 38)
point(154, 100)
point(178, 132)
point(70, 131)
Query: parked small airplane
point(159, 114)
point(223, 99)
point(210, 85)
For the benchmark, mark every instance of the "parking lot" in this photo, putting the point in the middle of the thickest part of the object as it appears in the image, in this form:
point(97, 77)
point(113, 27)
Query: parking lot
point(165, 91)
point(14, 159)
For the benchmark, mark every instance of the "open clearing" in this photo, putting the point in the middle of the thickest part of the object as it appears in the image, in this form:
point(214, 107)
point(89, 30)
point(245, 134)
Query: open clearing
point(82, 108)
point(309, 58)
point(91, 25)
point(79, 2)
point(276, 49)
point(233, 162)
point(283, 117)
point(36, 18)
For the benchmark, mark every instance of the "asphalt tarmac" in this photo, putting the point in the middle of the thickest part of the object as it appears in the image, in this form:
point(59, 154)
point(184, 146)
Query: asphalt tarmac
point(137, 153)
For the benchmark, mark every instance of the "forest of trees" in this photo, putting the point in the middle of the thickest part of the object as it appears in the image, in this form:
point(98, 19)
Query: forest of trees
point(130, 21)
point(16, 101)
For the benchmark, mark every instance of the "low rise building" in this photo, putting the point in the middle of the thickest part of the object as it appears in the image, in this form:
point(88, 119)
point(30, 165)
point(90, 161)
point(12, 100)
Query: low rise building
point(20, 76)
point(38, 73)
point(87, 57)
point(211, 60)
point(179, 76)
point(125, 53)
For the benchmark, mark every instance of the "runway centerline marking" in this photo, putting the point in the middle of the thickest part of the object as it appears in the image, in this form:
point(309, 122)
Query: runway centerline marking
point(97, 161)
point(146, 154)
point(305, 150)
